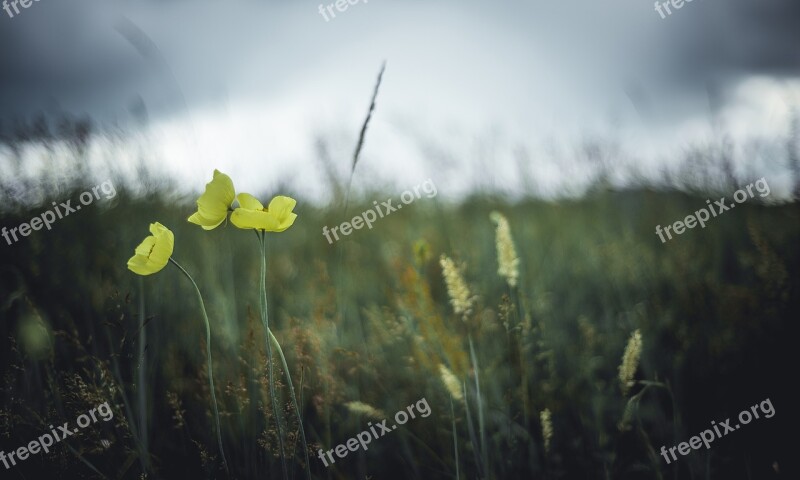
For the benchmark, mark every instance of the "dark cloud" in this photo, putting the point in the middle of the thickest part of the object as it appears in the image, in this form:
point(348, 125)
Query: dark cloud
point(99, 58)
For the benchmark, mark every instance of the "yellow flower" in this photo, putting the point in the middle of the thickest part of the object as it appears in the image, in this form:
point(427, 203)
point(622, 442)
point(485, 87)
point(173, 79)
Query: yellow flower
point(153, 253)
point(213, 204)
point(252, 214)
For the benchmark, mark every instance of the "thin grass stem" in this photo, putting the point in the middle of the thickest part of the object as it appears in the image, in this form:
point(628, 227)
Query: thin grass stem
point(294, 402)
point(481, 423)
point(270, 367)
point(210, 364)
point(455, 437)
point(128, 410)
point(471, 431)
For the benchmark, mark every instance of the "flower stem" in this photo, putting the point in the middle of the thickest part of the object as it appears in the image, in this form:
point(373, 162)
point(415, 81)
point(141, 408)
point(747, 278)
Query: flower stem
point(271, 373)
point(210, 365)
point(141, 385)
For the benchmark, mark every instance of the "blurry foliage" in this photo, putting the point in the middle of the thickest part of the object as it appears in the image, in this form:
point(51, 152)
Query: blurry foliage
point(712, 305)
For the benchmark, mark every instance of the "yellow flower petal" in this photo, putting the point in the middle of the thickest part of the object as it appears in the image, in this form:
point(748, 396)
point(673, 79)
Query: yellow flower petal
point(158, 229)
point(221, 187)
point(165, 243)
point(146, 246)
point(286, 223)
point(138, 264)
point(210, 208)
point(258, 219)
point(207, 224)
point(213, 204)
point(249, 202)
point(281, 206)
point(153, 253)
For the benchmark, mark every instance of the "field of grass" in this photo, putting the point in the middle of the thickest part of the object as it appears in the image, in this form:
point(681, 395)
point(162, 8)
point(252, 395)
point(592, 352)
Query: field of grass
point(369, 319)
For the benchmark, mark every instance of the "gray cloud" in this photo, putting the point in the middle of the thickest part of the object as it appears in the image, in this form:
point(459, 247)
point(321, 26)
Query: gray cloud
point(72, 53)
point(530, 69)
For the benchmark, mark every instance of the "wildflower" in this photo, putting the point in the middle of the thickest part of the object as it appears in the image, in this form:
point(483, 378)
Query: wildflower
point(362, 408)
point(152, 256)
point(630, 361)
point(547, 427)
point(213, 204)
point(507, 260)
point(153, 253)
point(451, 382)
point(252, 214)
point(456, 287)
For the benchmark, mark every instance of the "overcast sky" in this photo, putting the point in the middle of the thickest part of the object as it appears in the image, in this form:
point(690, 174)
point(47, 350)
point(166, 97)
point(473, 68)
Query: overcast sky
point(468, 85)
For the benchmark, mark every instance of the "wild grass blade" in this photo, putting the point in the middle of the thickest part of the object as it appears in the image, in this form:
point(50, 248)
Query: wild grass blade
point(210, 364)
point(364, 126)
point(356, 155)
point(481, 423)
point(472, 437)
point(131, 419)
point(294, 403)
point(455, 437)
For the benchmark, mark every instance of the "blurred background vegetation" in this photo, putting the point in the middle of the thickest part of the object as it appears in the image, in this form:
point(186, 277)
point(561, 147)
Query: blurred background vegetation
point(368, 319)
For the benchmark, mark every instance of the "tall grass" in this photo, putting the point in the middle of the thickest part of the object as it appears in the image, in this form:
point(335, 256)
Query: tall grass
point(591, 271)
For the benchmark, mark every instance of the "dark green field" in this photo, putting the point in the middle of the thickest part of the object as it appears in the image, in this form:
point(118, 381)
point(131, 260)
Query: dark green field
point(368, 319)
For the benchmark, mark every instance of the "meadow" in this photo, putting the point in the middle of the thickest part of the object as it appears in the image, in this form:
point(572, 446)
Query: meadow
point(524, 384)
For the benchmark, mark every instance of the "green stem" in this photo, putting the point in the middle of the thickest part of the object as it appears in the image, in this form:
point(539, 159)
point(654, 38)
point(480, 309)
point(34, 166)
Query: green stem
point(455, 437)
point(521, 317)
point(271, 373)
point(210, 365)
point(141, 384)
point(471, 430)
point(481, 424)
